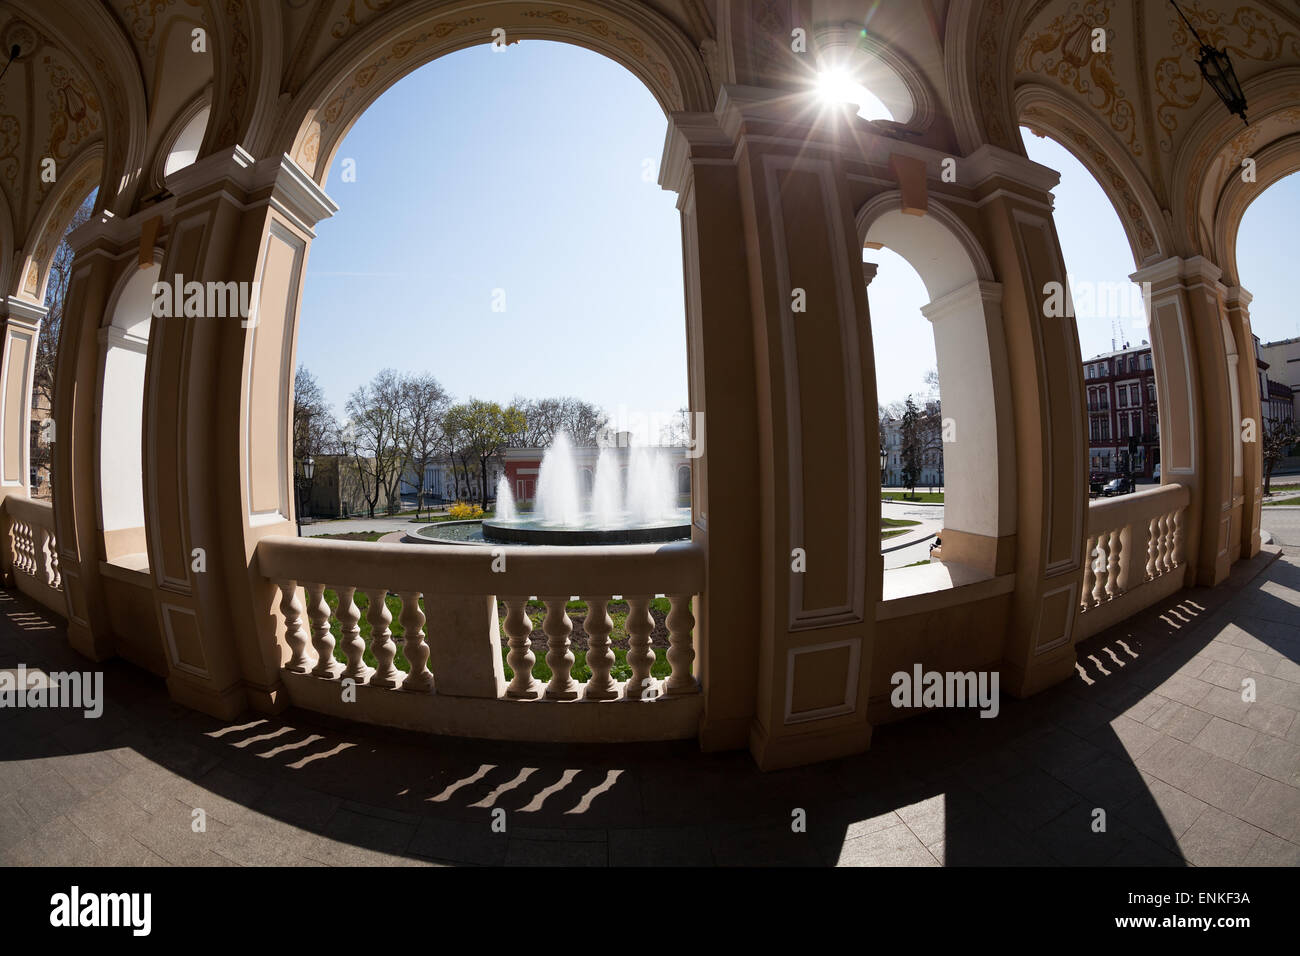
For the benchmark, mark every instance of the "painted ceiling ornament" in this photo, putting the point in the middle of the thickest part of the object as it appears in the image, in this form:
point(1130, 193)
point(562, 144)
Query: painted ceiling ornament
point(1249, 35)
point(1065, 50)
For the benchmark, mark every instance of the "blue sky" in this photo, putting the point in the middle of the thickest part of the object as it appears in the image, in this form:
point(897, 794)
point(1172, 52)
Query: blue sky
point(534, 171)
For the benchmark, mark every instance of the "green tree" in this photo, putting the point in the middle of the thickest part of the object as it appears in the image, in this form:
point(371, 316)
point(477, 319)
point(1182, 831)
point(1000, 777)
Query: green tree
point(913, 444)
point(482, 429)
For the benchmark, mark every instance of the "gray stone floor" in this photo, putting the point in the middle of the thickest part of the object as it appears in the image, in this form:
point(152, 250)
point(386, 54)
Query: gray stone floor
point(1152, 730)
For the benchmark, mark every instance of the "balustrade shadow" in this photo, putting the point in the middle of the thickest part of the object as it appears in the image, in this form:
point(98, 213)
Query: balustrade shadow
point(946, 788)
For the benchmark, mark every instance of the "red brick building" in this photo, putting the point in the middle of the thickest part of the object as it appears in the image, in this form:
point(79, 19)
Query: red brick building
point(1121, 395)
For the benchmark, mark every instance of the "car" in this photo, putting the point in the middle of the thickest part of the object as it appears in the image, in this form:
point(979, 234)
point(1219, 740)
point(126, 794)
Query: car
point(1116, 486)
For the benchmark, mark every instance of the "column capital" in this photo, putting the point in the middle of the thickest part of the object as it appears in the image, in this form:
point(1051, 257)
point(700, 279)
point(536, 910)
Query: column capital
point(23, 313)
point(869, 271)
point(277, 179)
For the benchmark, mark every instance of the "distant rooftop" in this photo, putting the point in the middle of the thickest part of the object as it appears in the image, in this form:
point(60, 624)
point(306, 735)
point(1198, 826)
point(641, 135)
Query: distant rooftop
point(1127, 350)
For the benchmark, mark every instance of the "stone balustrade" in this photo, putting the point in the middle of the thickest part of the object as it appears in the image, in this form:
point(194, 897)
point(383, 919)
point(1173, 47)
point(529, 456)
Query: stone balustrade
point(1134, 556)
point(447, 599)
point(33, 555)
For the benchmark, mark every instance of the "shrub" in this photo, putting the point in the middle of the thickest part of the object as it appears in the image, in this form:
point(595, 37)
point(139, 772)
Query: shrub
point(462, 511)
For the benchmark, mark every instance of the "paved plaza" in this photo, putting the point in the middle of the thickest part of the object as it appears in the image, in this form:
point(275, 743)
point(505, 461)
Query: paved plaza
point(1152, 730)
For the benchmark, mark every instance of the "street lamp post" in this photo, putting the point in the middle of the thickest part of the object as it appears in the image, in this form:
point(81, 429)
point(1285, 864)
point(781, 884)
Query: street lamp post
point(308, 471)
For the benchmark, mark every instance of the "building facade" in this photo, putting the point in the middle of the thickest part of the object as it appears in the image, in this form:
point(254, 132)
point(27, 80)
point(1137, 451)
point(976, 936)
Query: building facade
point(1123, 420)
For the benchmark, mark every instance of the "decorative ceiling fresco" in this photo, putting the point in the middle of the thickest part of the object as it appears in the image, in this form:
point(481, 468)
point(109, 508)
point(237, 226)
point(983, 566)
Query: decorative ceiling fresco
point(104, 86)
point(1139, 113)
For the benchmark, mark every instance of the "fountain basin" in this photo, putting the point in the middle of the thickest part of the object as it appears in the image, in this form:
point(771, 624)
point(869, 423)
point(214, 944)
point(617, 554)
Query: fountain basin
point(534, 530)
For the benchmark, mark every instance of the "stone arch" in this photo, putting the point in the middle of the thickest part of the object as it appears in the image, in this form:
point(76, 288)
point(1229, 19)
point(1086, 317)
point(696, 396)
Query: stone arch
point(1272, 163)
point(57, 210)
point(1048, 111)
point(965, 311)
point(247, 59)
point(1209, 165)
point(396, 43)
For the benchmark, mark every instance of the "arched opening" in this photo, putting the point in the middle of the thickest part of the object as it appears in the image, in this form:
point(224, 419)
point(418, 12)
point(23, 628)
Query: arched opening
point(1110, 313)
point(509, 311)
point(184, 149)
point(1265, 267)
point(974, 435)
point(124, 349)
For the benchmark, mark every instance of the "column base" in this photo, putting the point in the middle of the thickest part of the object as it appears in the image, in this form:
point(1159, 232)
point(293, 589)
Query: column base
point(225, 704)
point(796, 750)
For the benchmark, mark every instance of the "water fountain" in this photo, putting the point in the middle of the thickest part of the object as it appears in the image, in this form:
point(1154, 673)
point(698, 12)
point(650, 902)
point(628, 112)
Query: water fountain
point(633, 500)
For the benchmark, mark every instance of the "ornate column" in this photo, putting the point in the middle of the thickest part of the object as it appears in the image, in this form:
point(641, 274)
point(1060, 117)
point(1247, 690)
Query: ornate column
point(217, 421)
point(817, 568)
point(1197, 382)
point(21, 322)
point(1249, 484)
point(1045, 373)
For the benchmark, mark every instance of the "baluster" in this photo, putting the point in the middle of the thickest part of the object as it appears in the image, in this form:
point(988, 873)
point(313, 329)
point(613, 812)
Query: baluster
point(1089, 575)
point(1153, 548)
point(640, 655)
point(381, 639)
point(318, 613)
point(1176, 518)
point(1099, 569)
point(1166, 538)
point(294, 633)
point(1113, 565)
point(46, 575)
point(523, 686)
point(681, 646)
point(56, 571)
point(600, 657)
point(354, 647)
point(557, 627)
point(418, 678)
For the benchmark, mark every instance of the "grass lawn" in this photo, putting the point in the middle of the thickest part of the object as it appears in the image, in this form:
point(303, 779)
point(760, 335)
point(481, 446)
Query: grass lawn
point(354, 535)
point(892, 534)
point(536, 613)
point(930, 496)
point(898, 523)
point(1283, 501)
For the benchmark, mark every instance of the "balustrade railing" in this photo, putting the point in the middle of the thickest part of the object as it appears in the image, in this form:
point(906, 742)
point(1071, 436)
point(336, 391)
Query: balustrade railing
point(1135, 546)
point(33, 552)
point(446, 602)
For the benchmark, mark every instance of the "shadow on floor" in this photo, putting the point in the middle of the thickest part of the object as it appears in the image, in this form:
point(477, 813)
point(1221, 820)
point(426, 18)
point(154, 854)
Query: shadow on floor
point(1032, 787)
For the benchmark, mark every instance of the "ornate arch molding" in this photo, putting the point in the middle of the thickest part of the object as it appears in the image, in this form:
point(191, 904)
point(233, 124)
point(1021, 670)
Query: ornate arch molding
point(979, 42)
point(246, 60)
point(56, 211)
point(1210, 158)
point(1279, 159)
point(1052, 112)
point(399, 41)
point(93, 38)
point(892, 201)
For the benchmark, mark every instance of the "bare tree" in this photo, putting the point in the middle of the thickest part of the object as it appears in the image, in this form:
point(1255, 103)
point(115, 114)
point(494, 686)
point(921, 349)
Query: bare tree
point(544, 418)
point(678, 429)
point(425, 408)
point(375, 414)
point(313, 418)
point(1279, 436)
point(47, 343)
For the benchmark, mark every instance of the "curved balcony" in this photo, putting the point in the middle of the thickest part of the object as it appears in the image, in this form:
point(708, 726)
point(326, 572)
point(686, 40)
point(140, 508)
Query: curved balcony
point(454, 681)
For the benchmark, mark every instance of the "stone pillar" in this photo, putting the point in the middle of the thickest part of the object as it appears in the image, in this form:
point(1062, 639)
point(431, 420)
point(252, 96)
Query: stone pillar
point(100, 248)
point(1196, 368)
point(217, 422)
point(816, 569)
point(1046, 390)
point(21, 321)
point(698, 166)
point(1250, 487)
